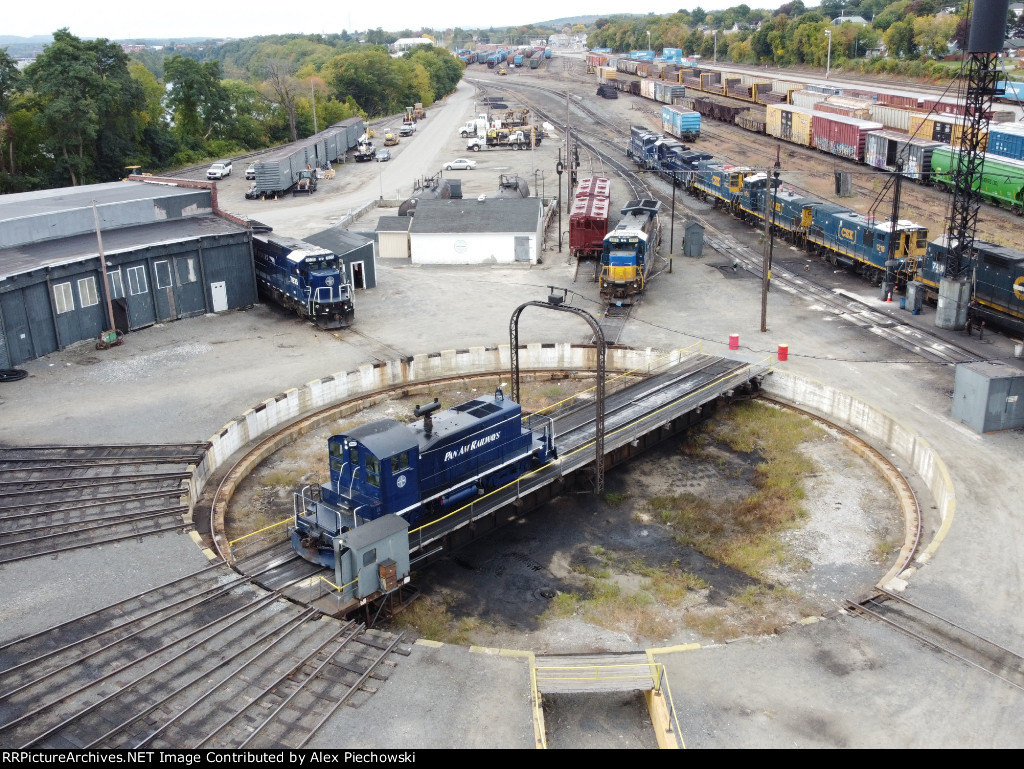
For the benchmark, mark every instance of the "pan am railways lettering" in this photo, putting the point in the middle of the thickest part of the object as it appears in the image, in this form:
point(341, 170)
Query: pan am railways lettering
point(472, 446)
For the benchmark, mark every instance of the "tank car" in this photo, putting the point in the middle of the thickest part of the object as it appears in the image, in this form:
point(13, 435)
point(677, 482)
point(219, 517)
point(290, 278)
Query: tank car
point(627, 254)
point(419, 470)
point(307, 279)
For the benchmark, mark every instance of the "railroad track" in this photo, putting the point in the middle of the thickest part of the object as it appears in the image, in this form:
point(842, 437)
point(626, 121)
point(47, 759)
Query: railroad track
point(54, 499)
point(944, 635)
point(208, 660)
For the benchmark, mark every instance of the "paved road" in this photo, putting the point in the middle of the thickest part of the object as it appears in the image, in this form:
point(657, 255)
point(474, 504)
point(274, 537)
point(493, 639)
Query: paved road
point(841, 682)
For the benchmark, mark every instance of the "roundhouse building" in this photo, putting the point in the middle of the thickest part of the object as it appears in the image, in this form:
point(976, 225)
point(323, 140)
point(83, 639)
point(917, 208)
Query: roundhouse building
point(168, 254)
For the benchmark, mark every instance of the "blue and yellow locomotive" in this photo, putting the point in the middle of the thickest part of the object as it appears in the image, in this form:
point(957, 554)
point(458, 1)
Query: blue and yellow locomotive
point(307, 279)
point(723, 183)
point(997, 278)
point(862, 242)
point(627, 255)
point(418, 470)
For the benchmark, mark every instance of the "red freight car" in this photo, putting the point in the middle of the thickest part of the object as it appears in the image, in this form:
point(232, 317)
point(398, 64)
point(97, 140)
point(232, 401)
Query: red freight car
point(588, 220)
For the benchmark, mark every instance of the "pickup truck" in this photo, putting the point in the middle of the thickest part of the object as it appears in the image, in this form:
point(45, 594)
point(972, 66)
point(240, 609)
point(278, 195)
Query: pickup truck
point(219, 170)
point(407, 129)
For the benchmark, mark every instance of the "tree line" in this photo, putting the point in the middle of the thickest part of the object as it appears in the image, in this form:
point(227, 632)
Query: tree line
point(85, 110)
point(914, 33)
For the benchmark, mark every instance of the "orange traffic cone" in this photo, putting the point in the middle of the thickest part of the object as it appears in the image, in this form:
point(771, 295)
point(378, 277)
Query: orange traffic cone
point(888, 297)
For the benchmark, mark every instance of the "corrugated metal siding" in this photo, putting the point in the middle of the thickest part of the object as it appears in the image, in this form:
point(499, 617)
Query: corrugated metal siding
point(789, 123)
point(840, 135)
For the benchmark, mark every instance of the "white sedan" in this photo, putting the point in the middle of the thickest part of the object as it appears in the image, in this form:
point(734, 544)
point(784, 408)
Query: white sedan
point(460, 164)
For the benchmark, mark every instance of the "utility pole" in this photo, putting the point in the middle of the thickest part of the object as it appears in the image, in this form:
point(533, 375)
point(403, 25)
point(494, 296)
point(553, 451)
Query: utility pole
point(558, 169)
point(765, 257)
point(103, 268)
point(312, 90)
point(672, 222)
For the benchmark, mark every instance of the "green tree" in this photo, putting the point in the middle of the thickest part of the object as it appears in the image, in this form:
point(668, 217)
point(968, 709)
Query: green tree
point(196, 97)
point(899, 38)
point(10, 80)
point(87, 102)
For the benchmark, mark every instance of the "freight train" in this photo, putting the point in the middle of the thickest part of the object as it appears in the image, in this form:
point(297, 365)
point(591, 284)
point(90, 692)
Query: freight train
point(588, 220)
point(627, 252)
point(843, 237)
point(870, 128)
point(306, 279)
point(419, 470)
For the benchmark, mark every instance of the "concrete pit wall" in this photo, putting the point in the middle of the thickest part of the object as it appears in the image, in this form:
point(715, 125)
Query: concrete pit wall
point(875, 425)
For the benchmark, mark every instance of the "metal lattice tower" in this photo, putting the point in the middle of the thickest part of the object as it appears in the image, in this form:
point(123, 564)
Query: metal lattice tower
point(988, 23)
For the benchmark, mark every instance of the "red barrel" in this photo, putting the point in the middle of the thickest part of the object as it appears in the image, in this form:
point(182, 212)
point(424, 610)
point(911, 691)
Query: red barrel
point(783, 352)
point(734, 341)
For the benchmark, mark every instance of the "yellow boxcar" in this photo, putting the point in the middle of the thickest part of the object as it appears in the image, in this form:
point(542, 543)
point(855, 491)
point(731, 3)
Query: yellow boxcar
point(789, 123)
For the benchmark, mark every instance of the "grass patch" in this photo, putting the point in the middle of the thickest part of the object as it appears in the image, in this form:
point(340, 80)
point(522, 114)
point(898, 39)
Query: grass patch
point(615, 498)
point(744, 533)
point(429, 618)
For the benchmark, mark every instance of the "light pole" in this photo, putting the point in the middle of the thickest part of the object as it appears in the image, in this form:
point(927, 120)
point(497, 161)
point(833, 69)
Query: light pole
point(828, 60)
point(648, 40)
point(714, 37)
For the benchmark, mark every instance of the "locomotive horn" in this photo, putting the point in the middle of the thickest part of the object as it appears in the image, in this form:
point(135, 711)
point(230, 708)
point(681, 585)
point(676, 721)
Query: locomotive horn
point(430, 408)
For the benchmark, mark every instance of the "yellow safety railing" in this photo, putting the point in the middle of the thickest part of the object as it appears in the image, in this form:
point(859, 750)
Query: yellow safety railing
point(233, 542)
point(647, 671)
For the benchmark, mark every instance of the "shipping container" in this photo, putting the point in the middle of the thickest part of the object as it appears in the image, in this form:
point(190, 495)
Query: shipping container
point(896, 118)
point(844, 105)
point(789, 123)
point(842, 136)
point(1006, 140)
point(884, 148)
point(806, 99)
point(679, 122)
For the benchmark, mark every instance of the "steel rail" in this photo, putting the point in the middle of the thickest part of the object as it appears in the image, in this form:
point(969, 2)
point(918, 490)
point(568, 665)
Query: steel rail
point(295, 622)
point(351, 690)
point(255, 607)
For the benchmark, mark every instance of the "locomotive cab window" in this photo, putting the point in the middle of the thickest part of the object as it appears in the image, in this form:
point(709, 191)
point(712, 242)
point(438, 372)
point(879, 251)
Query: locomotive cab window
point(399, 462)
point(337, 455)
point(372, 470)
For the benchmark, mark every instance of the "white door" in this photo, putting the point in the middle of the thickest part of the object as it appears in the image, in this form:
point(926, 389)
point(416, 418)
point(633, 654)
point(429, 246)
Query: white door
point(219, 294)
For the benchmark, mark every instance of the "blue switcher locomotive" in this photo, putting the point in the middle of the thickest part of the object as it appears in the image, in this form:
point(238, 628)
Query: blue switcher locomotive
point(307, 279)
point(417, 471)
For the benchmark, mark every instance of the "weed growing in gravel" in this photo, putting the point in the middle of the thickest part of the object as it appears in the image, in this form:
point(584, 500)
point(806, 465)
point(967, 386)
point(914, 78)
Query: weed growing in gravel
point(744, 534)
point(429, 617)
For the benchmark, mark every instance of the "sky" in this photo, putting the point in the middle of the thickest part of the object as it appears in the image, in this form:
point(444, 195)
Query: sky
point(119, 19)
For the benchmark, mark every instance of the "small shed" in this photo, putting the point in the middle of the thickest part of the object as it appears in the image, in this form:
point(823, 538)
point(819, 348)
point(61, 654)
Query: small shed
point(355, 251)
point(988, 396)
point(483, 230)
point(393, 237)
point(693, 240)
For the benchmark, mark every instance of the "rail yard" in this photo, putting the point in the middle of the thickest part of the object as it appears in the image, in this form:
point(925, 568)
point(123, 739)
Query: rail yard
point(843, 681)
